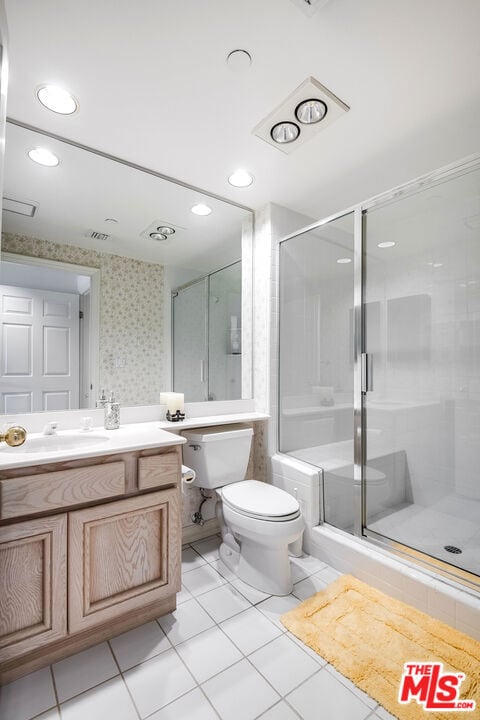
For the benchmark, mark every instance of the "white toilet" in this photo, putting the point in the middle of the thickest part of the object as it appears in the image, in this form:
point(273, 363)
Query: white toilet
point(258, 521)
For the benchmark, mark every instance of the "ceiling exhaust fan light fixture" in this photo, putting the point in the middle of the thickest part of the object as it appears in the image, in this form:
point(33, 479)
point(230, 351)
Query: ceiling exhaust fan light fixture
point(158, 236)
point(42, 156)
point(240, 178)
point(57, 99)
point(310, 111)
point(201, 209)
point(285, 132)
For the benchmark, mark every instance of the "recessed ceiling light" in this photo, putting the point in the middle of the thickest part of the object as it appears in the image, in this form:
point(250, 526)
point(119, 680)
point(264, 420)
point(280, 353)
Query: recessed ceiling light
point(57, 99)
point(386, 244)
point(201, 209)
point(158, 236)
point(239, 60)
point(240, 178)
point(437, 265)
point(344, 261)
point(165, 230)
point(111, 220)
point(285, 132)
point(42, 156)
point(310, 111)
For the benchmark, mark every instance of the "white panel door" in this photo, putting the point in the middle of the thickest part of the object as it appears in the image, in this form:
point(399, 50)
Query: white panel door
point(39, 350)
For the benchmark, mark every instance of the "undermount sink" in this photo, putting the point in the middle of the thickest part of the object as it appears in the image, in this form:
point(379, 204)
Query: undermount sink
point(56, 443)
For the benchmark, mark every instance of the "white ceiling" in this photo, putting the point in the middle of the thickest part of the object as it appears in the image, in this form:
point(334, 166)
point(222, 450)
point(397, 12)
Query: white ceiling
point(154, 88)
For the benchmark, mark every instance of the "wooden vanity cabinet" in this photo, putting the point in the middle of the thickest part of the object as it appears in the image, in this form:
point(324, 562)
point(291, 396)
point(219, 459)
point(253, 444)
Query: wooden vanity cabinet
point(106, 557)
point(120, 557)
point(33, 570)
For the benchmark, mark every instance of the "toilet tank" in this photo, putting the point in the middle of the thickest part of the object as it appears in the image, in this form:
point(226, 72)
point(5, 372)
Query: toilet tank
point(219, 455)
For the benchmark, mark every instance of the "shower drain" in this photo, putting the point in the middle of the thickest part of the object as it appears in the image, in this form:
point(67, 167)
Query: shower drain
point(452, 549)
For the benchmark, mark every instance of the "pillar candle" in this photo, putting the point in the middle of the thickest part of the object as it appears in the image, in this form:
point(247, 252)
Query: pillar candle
point(173, 401)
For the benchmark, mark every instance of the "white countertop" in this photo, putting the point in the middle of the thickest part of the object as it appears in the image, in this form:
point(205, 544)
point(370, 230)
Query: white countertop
point(129, 437)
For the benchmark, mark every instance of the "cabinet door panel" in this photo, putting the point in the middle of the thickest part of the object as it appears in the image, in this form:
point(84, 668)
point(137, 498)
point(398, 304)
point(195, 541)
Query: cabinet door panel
point(122, 556)
point(33, 575)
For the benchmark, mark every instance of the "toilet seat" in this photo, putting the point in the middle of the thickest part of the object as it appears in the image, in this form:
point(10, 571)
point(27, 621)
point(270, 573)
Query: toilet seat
point(260, 501)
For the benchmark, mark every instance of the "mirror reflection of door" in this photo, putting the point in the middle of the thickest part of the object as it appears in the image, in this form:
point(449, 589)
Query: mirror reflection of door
point(45, 346)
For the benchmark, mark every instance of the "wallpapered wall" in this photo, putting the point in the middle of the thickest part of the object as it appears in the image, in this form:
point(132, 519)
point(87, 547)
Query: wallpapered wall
point(131, 316)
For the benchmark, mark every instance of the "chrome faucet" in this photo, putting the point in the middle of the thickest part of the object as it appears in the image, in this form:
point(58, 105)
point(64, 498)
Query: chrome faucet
point(50, 428)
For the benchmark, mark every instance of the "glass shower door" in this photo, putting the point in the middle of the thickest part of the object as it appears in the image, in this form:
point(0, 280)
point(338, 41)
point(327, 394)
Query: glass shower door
point(190, 341)
point(422, 336)
point(316, 315)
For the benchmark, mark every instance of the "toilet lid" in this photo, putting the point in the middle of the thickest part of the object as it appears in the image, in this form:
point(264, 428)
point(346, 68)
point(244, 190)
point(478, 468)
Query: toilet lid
point(260, 500)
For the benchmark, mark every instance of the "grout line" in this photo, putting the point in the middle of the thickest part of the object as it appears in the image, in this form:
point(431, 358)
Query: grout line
point(55, 689)
point(124, 682)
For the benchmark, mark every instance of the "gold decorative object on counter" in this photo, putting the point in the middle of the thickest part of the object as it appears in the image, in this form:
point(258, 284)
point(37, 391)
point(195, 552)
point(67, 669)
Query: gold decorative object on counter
point(14, 436)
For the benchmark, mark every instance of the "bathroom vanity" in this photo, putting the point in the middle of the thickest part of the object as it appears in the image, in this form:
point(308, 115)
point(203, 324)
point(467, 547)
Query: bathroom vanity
point(90, 546)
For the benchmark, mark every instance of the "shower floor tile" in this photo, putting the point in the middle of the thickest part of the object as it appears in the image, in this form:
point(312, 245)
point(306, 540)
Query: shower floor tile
point(431, 529)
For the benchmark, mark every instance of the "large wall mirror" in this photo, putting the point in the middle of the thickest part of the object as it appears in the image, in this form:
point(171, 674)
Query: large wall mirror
point(102, 264)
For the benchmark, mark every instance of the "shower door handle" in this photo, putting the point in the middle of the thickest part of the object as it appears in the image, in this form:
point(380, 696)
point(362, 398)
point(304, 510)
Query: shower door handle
point(202, 371)
point(367, 372)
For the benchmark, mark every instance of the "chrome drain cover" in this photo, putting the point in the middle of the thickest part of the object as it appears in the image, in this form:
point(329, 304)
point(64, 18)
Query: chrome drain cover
point(453, 549)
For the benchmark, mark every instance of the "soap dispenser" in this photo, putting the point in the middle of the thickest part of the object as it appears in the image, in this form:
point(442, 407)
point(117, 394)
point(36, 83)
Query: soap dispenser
point(112, 414)
point(102, 400)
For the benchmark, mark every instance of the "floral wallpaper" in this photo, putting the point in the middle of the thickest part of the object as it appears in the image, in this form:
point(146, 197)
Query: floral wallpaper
point(131, 316)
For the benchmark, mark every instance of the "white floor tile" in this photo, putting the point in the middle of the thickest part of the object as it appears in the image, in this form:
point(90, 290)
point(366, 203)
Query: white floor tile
point(223, 570)
point(383, 714)
point(157, 682)
point(283, 664)
point(252, 594)
point(208, 548)
point(280, 711)
point(352, 687)
point(28, 696)
point(314, 655)
point(305, 566)
point(191, 560)
point(250, 630)
point(240, 693)
point(84, 670)
point(108, 700)
point(139, 644)
point(328, 575)
point(183, 595)
point(192, 706)
point(188, 620)
point(209, 653)
point(223, 602)
point(52, 714)
point(274, 607)
point(336, 700)
point(308, 587)
point(202, 580)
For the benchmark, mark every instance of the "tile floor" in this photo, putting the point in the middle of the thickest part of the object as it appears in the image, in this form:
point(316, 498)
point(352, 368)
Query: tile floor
point(222, 654)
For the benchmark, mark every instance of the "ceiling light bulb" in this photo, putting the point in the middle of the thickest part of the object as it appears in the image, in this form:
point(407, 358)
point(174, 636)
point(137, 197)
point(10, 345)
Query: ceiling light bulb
point(165, 230)
point(158, 236)
point(285, 132)
point(240, 178)
point(201, 209)
point(386, 244)
point(42, 156)
point(437, 265)
point(57, 99)
point(311, 111)
point(344, 261)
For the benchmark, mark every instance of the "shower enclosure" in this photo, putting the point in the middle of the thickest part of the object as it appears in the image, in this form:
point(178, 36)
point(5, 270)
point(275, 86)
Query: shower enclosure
point(379, 378)
point(206, 332)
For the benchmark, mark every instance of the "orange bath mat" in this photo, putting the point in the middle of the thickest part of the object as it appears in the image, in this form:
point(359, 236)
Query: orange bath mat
point(369, 637)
